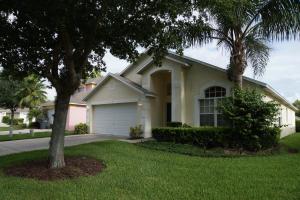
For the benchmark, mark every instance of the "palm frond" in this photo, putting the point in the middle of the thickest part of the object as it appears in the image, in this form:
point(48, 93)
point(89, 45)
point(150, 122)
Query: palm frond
point(278, 19)
point(257, 53)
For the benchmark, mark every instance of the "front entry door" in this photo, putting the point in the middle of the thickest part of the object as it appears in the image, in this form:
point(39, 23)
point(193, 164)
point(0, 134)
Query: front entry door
point(169, 112)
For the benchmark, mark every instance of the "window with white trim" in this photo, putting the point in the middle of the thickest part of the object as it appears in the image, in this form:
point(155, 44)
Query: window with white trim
point(209, 114)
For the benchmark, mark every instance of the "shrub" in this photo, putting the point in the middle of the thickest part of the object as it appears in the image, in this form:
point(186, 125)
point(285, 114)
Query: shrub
point(34, 125)
point(22, 126)
point(253, 120)
point(136, 132)
point(6, 120)
point(297, 125)
point(174, 124)
point(178, 125)
point(81, 129)
point(206, 137)
point(16, 121)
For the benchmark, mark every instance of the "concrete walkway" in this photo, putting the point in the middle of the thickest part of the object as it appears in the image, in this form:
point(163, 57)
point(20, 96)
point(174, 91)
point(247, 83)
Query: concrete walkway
point(25, 131)
point(17, 146)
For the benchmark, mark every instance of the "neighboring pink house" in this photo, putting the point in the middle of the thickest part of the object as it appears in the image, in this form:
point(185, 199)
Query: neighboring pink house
point(77, 107)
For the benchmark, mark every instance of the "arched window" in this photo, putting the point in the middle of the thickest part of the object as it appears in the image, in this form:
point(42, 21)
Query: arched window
point(215, 91)
point(209, 114)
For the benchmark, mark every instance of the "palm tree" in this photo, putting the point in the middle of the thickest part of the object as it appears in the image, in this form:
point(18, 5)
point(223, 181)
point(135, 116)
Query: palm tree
point(244, 28)
point(33, 95)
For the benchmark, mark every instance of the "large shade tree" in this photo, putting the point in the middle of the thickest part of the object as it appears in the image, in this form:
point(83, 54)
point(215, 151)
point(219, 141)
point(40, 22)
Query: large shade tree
point(244, 28)
point(62, 40)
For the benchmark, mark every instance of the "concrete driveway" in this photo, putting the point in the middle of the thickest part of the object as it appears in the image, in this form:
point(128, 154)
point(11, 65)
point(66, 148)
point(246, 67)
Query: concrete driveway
point(17, 146)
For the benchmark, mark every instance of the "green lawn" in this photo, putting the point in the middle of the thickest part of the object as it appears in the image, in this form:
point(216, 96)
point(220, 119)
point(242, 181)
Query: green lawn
point(28, 136)
point(7, 128)
point(135, 172)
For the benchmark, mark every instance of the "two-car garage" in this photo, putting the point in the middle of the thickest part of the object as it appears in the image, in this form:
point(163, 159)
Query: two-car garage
point(114, 119)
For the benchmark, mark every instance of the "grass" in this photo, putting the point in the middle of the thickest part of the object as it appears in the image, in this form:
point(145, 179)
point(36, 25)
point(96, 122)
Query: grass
point(7, 128)
point(134, 172)
point(28, 136)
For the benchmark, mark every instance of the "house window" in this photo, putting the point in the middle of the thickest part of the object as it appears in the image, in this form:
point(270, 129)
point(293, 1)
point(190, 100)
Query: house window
point(209, 114)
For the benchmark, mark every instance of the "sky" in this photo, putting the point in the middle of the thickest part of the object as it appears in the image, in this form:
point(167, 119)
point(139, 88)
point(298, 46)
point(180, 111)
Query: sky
point(282, 72)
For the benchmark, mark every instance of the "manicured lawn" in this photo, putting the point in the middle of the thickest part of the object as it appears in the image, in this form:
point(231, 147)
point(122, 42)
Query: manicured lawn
point(7, 128)
point(28, 136)
point(135, 172)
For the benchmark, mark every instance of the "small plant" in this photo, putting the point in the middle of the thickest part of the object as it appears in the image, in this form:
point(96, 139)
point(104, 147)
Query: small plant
point(136, 132)
point(6, 120)
point(81, 129)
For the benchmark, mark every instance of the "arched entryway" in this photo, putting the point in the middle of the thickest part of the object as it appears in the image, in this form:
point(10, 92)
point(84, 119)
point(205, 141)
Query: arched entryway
point(161, 106)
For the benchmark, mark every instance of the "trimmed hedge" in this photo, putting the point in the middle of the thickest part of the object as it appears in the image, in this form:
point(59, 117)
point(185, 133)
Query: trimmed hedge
point(205, 137)
point(297, 125)
point(209, 137)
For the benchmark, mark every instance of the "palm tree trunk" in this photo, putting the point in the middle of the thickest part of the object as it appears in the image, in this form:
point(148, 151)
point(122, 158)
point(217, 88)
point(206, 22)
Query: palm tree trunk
point(56, 150)
point(237, 66)
point(12, 115)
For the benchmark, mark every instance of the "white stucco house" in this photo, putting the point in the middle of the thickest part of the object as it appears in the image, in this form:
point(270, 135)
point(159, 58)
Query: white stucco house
point(19, 114)
point(182, 89)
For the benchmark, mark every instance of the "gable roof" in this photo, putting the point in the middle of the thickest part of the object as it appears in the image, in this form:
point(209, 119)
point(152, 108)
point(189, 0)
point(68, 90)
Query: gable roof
point(189, 61)
point(123, 80)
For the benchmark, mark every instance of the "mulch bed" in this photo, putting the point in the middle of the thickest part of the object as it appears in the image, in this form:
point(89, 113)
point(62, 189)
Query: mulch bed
point(39, 170)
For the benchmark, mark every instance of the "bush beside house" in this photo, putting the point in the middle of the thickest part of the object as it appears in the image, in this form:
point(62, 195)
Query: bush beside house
point(81, 129)
point(17, 121)
point(136, 132)
point(252, 123)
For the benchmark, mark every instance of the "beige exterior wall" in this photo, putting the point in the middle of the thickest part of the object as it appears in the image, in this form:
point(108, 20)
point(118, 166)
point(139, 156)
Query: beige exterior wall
point(188, 86)
point(114, 92)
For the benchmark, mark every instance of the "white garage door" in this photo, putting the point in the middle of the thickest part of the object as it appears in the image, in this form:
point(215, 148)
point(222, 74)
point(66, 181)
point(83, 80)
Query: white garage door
point(114, 119)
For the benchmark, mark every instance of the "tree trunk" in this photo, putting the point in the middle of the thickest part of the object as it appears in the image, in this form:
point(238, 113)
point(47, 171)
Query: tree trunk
point(237, 79)
point(12, 115)
point(237, 67)
point(56, 150)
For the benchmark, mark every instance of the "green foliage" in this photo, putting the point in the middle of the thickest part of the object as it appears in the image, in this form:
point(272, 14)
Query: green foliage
point(6, 119)
point(136, 132)
point(9, 98)
point(243, 28)
point(32, 91)
point(297, 105)
point(178, 124)
point(168, 176)
point(22, 126)
point(253, 119)
point(174, 124)
point(297, 125)
point(35, 113)
point(81, 129)
point(205, 137)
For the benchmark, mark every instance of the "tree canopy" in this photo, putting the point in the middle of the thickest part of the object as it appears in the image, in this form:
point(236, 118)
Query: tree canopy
point(297, 105)
point(244, 28)
point(63, 40)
